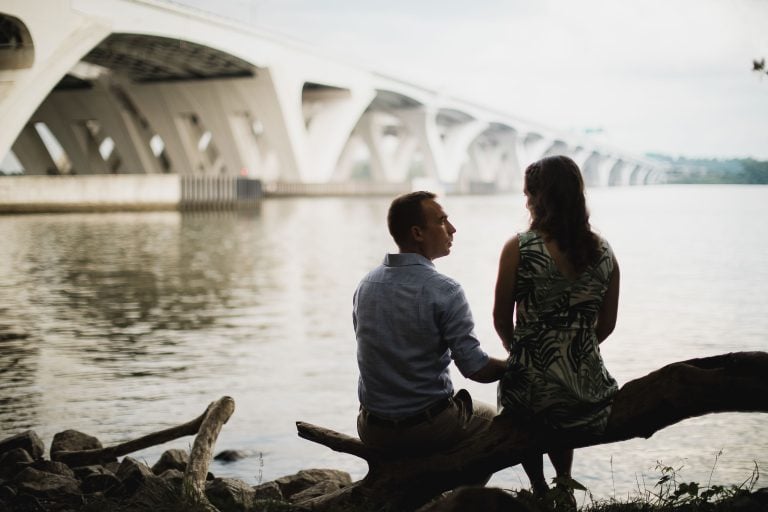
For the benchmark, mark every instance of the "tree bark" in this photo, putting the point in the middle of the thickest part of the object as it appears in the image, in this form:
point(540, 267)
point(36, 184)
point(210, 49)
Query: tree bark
point(216, 416)
point(735, 382)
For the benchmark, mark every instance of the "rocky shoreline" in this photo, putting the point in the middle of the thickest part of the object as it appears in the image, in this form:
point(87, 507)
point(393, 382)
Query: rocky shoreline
point(29, 482)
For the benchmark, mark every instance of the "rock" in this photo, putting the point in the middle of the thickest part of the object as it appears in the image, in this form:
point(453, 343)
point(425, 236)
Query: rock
point(13, 461)
point(28, 503)
point(112, 467)
point(317, 490)
point(268, 491)
point(306, 478)
point(174, 478)
point(73, 441)
point(133, 474)
point(53, 467)
point(487, 499)
point(153, 495)
point(100, 482)
point(172, 474)
point(277, 506)
point(84, 472)
point(28, 440)
point(43, 484)
point(229, 495)
point(171, 459)
point(230, 455)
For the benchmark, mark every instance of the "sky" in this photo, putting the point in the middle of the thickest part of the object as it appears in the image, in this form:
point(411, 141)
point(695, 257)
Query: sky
point(663, 76)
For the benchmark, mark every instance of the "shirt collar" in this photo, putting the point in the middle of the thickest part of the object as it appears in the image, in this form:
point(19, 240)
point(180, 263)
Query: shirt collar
point(405, 259)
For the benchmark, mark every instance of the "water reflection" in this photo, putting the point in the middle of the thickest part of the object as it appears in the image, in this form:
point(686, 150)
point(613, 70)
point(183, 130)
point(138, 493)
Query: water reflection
point(17, 371)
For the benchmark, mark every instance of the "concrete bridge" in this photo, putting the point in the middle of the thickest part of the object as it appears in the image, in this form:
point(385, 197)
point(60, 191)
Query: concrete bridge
point(148, 87)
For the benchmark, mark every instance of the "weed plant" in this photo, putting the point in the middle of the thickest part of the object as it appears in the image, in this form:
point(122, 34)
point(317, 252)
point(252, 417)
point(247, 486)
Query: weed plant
point(671, 494)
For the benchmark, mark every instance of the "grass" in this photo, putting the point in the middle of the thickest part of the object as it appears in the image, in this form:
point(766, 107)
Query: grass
point(668, 494)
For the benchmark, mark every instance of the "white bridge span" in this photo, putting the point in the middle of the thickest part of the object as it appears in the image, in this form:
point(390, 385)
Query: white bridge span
point(147, 87)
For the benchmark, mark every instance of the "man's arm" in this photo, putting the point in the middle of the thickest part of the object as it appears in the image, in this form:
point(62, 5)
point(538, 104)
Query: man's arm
point(491, 372)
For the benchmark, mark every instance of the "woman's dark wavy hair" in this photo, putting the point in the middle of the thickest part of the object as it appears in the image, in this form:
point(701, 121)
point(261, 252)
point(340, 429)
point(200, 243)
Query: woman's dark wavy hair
point(555, 191)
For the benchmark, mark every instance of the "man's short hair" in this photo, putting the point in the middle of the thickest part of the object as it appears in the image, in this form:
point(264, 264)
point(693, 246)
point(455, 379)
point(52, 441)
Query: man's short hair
point(405, 212)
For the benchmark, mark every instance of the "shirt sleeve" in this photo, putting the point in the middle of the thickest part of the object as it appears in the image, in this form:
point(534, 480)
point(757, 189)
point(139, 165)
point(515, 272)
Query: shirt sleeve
point(458, 331)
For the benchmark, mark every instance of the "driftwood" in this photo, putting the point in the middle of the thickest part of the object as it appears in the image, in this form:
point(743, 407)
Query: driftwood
point(736, 382)
point(102, 455)
point(216, 416)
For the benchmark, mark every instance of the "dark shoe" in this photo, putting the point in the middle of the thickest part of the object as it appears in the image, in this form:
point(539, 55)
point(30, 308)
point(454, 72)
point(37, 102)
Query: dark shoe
point(564, 499)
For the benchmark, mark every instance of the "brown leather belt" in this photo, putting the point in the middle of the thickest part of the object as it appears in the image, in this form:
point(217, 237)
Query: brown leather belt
point(409, 421)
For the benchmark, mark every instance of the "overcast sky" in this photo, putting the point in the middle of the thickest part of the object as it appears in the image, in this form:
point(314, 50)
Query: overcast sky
point(668, 76)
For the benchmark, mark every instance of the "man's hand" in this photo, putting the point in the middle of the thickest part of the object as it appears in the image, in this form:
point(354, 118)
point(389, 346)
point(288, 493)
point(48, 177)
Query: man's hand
point(491, 372)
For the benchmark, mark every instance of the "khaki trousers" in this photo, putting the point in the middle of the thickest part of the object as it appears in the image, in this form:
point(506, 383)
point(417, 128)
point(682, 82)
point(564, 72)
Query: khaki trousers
point(461, 420)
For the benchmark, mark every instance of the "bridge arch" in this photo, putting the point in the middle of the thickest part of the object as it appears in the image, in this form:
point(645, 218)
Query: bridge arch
point(99, 113)
point(17, 50)
point(163, 104)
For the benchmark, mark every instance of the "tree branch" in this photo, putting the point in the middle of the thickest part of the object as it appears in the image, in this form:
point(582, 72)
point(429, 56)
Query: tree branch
point(216, 416)
point(733, 382)
point(99, 456)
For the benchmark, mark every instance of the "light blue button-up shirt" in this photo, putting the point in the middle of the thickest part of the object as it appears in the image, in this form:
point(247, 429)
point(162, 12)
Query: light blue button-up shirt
point(410, 321)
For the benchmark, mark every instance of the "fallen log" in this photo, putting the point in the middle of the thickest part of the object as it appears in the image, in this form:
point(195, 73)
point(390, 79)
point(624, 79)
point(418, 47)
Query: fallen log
point(735, 382)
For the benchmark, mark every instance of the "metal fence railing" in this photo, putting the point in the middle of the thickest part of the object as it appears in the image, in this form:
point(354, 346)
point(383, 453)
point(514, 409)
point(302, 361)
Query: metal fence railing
point(218, 192)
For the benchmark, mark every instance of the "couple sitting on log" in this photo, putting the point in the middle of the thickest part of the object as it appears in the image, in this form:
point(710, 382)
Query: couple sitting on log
point(556, 300)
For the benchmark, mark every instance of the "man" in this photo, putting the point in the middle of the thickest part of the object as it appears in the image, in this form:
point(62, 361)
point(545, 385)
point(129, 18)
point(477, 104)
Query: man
point(410, 322)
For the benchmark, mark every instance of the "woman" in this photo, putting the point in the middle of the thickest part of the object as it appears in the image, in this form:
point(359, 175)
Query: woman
point(559, 281)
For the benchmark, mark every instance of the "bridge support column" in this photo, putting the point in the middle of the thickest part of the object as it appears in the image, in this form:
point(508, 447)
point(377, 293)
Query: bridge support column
point(620, 173)
point(334, 115)
point(349, 157)
point(494, 160)
point(639, 175)
point(83, 119)
point(601, 172)
point(530, 148)
point(422, 124)
point(455, 145)
point(32, 153)
point(203, 124)
point(558, 147)
point(579, 155)
point(370, 131)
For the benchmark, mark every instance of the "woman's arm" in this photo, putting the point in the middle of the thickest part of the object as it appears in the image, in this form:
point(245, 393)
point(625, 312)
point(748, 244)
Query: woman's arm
point(504, 302)
point(606, 319)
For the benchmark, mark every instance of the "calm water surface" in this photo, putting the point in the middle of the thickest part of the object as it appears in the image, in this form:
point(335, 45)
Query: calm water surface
point(122, 324)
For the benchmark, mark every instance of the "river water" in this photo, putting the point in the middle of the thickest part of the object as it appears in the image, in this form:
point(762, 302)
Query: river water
point(122, 324)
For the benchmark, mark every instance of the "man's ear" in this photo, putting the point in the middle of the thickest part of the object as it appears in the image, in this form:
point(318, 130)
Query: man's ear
point(416, 233)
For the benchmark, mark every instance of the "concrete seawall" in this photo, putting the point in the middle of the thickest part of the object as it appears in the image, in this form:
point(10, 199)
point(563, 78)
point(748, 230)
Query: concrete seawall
point(89, 193)
point(133, 192)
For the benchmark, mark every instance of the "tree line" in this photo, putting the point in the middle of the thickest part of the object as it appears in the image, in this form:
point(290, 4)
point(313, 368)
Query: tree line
point(715, 171)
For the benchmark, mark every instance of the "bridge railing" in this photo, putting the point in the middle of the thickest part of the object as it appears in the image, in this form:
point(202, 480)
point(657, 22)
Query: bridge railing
point(218, 192)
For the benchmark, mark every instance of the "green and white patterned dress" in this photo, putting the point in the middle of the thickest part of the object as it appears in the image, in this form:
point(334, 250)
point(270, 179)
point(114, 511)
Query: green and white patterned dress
point(555, 374)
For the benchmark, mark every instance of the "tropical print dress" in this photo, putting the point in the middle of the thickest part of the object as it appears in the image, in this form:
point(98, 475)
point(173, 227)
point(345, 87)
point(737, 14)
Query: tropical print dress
point(555, 375)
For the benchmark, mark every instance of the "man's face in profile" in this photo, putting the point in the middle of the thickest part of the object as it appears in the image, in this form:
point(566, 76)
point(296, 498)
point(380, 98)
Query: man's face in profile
point(436, 236)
